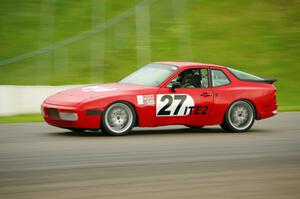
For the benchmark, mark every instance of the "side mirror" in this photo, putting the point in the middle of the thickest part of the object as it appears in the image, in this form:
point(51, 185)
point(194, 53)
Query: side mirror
point(175, 85)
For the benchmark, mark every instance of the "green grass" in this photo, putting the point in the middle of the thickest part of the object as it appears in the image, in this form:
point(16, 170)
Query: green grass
point(21, 118)
point(260, 36)
point(288, 108)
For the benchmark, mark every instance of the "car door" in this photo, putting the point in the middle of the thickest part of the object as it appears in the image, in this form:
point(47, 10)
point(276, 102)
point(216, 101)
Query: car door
point(187, 106)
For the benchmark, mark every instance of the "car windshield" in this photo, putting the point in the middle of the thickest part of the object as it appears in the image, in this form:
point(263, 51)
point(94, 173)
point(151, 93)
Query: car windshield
point(244, 76)
point(150, 75)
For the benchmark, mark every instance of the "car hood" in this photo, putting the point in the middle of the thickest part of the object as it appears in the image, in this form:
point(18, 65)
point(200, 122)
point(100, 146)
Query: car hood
point(75, 96)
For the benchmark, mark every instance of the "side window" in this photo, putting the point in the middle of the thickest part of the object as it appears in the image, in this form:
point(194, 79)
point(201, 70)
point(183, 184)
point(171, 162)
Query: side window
point(192, 78)
point(219, 78)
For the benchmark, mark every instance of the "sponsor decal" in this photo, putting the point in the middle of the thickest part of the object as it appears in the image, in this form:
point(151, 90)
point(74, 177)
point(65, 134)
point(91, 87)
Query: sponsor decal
point(147, 100)
point(97, 88)
point(178, 105)
point(140, 100)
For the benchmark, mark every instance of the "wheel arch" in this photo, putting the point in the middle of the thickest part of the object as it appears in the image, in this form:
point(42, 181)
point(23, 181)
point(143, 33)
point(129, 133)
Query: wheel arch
point(227, 124)
point(242, 99)
point(129, 103)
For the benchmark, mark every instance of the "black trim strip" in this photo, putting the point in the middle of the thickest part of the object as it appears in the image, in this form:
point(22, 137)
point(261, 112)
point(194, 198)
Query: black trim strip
point(93, 112)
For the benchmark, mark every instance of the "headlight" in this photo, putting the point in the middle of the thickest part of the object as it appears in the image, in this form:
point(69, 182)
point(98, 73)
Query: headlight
point(68, 116)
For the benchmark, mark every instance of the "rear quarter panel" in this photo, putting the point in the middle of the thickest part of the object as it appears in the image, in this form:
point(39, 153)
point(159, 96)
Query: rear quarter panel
point(261, 95)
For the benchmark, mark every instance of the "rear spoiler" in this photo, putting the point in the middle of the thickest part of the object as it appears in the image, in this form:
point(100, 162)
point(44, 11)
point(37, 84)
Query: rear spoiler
point(268, 80)
point(263, 80)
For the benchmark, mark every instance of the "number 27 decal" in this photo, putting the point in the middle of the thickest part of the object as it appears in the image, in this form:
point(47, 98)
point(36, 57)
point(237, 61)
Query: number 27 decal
point(178, 105)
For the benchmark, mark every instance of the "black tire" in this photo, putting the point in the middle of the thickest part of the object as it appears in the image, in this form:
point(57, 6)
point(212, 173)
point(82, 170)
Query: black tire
point(244, 117)
point(224, 126)
point(107, 124)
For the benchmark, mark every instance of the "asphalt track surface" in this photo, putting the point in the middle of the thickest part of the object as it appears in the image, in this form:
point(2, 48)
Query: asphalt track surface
point(40, 161)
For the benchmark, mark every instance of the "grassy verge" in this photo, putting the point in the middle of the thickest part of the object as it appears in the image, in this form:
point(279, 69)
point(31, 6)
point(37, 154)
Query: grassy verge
point(21, 118)
point(288, 108)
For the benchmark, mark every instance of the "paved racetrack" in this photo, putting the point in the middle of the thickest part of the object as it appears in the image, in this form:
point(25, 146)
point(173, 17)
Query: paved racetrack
point(39, 161)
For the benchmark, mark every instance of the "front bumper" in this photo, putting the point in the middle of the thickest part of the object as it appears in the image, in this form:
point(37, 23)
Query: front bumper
point(86, 119)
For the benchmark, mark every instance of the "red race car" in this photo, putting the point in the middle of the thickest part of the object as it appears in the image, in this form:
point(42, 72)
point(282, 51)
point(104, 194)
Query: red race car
point(166, 93)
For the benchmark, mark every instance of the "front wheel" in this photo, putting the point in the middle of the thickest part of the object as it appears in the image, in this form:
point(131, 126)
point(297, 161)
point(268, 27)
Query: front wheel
point(239, 117)
point(118, 119)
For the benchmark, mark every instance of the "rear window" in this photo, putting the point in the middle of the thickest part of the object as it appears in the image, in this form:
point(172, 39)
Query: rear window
point(219, 78)
point(243, 76)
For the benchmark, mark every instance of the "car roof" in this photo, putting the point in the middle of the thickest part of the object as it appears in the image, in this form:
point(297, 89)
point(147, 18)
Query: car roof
point(188, 64)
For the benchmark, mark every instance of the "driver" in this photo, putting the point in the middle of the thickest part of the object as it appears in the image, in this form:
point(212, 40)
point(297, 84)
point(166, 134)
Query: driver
point(186, 79)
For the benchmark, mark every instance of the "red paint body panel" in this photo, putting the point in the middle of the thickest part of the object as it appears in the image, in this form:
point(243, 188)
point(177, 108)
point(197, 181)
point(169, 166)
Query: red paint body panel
point(98, 97)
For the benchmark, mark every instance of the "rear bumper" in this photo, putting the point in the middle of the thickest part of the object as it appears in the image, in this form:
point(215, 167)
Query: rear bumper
point(87, 119)
point(265, 115)
point(268, 113)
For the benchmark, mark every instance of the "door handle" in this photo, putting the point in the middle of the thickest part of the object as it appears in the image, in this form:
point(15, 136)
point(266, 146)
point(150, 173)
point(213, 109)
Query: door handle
point(205, 94)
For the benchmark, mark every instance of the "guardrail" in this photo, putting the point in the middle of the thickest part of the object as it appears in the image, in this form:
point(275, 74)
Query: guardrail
point(25, 99)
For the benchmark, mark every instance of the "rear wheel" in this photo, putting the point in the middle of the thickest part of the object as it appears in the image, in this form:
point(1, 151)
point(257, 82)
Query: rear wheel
point(239, 117)
point(118, 119)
